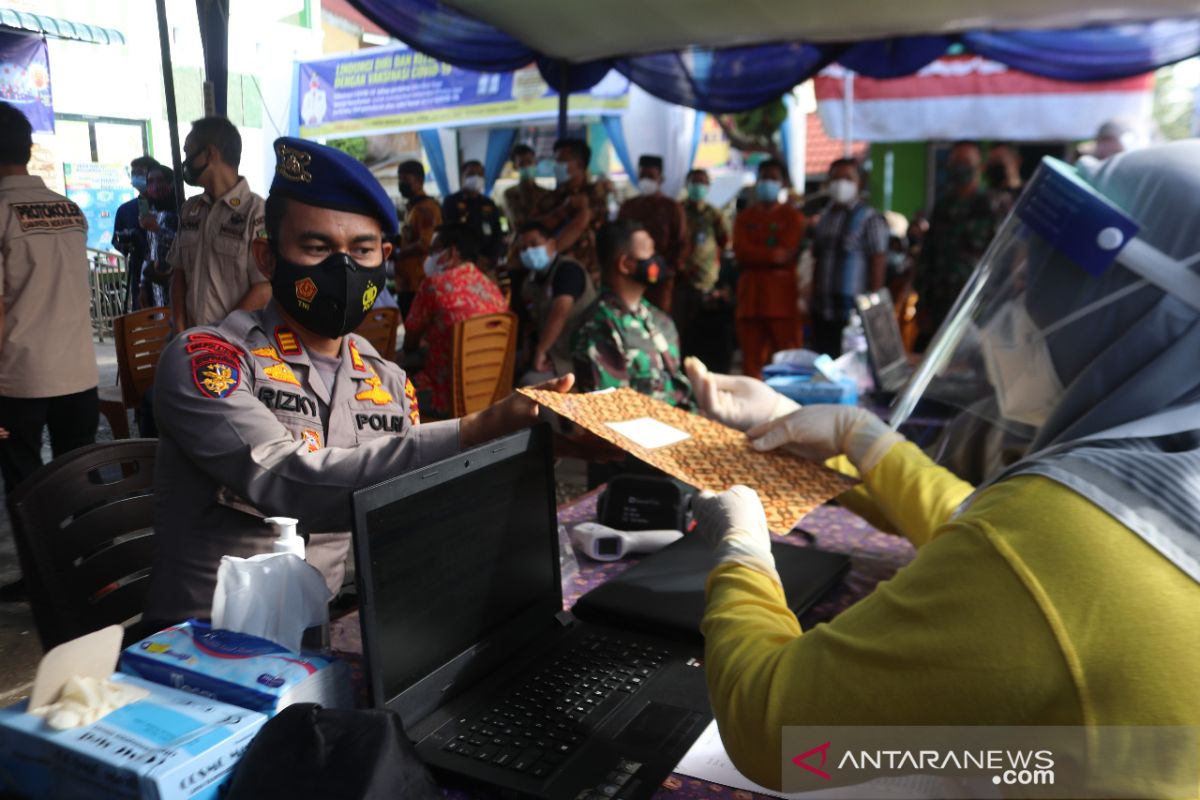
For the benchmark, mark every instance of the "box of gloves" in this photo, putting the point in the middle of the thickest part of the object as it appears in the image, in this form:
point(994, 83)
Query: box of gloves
point(88, 733)
point(237, 668)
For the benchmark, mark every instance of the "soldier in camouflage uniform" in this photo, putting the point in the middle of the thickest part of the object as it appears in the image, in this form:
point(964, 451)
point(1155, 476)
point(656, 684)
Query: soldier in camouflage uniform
point(623, 340)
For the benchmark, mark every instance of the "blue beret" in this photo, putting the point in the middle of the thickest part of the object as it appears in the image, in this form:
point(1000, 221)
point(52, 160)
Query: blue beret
point(326, 177)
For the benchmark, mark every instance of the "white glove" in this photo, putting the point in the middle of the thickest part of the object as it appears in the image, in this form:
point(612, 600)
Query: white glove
point(823, 431)
point(734, 522)
point(735, 400)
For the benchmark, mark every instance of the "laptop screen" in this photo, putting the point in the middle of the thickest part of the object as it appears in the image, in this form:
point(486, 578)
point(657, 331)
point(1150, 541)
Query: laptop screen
point(456, 550)
point(884, 345)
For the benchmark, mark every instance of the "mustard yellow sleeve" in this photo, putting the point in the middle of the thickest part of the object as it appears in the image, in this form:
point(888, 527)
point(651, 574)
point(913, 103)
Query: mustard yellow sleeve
point(954, 638)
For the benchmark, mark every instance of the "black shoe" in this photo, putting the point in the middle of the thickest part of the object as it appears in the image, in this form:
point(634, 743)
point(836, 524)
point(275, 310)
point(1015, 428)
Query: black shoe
point(15, 592)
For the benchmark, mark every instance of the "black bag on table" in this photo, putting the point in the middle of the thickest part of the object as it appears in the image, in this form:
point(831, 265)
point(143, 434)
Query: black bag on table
point(308, 751)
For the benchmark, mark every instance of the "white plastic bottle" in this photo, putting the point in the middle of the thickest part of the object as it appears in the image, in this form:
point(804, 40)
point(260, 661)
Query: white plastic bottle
point(289, 541)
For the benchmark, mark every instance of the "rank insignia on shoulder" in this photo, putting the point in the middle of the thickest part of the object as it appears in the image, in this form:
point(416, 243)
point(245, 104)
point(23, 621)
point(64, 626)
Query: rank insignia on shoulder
point(215, 376)
point(375, 391)
point(289, 345)
point(414, 408)
point(355, 358)
point(312, 439)
point(281, 372)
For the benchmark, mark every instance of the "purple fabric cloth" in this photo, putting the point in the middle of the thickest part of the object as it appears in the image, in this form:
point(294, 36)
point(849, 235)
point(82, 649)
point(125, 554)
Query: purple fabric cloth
point(874, 557)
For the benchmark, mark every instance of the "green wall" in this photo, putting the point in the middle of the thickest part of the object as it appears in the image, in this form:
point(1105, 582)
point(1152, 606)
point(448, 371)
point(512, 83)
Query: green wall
point(908, 177)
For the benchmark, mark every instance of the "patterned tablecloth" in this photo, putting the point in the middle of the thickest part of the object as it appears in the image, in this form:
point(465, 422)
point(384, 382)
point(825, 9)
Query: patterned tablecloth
point(875, 557)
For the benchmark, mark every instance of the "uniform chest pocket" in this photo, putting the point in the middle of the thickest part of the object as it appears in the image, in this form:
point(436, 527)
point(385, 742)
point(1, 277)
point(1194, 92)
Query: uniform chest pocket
point(303, 429)
point(231, 253)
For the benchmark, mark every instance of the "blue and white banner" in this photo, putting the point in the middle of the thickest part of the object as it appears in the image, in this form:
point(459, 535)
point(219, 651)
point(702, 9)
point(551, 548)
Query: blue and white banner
point(25, 78)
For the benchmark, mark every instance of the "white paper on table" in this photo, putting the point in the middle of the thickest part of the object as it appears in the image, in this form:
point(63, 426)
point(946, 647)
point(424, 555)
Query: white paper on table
point(708, 761)
point(648, 432)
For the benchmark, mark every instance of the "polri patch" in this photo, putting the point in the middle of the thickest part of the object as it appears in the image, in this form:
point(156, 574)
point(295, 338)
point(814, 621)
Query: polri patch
point(214, 376)
point(312, 439)
point(210, 343)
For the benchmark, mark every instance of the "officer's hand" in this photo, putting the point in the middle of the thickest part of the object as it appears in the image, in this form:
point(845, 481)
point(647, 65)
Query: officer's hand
point(735, 524)
point(821, 432)
point(735, 400)
point(513, 413)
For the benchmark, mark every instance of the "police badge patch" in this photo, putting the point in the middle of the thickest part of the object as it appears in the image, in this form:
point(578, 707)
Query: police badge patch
point(215, 377)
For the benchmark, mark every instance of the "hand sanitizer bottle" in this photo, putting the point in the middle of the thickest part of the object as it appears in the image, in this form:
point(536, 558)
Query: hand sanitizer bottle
point(289, 541)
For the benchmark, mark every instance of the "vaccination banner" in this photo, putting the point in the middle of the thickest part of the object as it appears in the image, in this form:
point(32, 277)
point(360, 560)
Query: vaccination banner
point(392, 89)
point(25, 78)
point(98, 190)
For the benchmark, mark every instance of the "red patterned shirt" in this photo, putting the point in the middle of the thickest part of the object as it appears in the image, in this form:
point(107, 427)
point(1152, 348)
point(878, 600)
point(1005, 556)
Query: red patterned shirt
point(443, 300)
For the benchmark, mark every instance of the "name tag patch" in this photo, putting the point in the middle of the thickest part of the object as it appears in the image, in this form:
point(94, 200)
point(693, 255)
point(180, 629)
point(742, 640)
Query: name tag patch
point(379, 422)
point(52, 215)
point(278, 400)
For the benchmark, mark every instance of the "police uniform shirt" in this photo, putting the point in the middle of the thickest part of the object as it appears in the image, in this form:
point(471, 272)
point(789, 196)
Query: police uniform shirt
point(239, 410)
point(47, 346)
point(213, 250)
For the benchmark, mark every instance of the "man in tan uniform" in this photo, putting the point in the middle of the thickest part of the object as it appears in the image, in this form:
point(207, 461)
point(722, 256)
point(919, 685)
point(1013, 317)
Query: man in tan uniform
point(284, 411)
point(48, 370)
point(214, 272)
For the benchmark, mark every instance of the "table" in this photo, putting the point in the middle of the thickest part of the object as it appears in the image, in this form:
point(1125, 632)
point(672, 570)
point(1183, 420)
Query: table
point(874, 557)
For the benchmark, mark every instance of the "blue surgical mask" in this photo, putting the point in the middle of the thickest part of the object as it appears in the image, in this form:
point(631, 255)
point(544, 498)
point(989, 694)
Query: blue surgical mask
point(535, 258)
point(561, 173)
point(768, 191)
point(138, 182)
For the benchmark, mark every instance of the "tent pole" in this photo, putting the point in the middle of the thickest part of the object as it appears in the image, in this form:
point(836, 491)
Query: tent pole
point(164, 43)
point(847, 114)
point(564, 97)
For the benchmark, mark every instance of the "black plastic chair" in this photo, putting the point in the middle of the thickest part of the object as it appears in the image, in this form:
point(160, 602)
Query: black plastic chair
point(84, 527)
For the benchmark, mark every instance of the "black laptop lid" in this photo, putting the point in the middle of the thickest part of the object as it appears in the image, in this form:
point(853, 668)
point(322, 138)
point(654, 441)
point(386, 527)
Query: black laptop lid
point(664, 593)
point(457, 567)
point(885, 346)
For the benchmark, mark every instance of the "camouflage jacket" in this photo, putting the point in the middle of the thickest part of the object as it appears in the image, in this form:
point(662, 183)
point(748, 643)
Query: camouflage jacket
point(614, 347)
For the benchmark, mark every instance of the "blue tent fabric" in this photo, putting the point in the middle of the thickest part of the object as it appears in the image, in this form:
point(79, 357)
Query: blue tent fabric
point(616, 135)
point(1091, 54)
point(735, 79)
point(499, 145)
point(437, 160)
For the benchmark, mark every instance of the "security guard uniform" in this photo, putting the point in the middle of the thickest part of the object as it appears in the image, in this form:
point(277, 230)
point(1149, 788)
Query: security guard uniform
point(253, 425)
point(212, 249)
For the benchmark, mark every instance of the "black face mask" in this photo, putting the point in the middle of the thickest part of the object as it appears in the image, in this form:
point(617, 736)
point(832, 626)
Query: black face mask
point(648, 271)
point(406, 191)
point(192, 173)
point(331, 298)
point(997, 176)
point(960, 175)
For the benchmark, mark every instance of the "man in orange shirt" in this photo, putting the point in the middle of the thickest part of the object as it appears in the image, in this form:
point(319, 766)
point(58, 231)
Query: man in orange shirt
point(422, 216)
point(766, 243)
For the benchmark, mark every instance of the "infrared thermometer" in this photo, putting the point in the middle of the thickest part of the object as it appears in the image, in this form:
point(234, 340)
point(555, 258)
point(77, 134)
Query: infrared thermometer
point(603, 543)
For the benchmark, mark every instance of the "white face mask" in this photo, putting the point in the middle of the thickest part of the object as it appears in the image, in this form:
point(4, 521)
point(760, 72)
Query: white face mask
point(843, 191)
point(473, 183)
point(432, 265)
point(1019, 366)
point(648, 186)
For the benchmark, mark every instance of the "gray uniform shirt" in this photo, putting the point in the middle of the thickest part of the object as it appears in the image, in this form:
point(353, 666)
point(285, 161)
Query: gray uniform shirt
point(241, 438)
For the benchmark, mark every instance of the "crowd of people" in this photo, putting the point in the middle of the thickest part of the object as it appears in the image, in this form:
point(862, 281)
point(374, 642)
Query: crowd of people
point(267, 402)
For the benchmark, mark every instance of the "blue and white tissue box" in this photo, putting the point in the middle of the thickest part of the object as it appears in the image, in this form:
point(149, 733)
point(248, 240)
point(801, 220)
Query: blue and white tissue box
point(169, 746)
point(237, 668)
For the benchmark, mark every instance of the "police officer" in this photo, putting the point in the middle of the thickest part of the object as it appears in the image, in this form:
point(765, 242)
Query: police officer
point(284, 411)
point(473, 208)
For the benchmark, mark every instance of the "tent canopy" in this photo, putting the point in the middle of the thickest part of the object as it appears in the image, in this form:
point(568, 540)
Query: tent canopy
point(768, 46)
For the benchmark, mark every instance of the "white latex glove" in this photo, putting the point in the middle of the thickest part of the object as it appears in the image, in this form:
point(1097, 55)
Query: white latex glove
point(734, 522)
point(822, 431)
point(735, 400)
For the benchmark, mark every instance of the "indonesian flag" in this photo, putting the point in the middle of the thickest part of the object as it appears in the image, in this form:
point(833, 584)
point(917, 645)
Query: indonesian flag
point(969, 97)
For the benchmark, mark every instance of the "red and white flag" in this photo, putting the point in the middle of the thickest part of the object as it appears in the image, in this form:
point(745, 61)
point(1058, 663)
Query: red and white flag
point(969, 97)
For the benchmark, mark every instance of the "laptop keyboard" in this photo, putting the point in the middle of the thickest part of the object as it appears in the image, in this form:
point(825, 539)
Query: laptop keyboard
point(540, 724)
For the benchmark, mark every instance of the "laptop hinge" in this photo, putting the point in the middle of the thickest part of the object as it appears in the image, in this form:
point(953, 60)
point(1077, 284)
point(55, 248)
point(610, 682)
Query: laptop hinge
point(564, 618)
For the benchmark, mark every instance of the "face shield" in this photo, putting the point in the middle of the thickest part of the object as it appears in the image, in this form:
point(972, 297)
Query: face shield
point(1051, 335)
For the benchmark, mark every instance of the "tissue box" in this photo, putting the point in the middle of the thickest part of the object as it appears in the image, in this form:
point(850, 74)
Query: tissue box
point(170, 745)
point(237, 668)
point(807, 391)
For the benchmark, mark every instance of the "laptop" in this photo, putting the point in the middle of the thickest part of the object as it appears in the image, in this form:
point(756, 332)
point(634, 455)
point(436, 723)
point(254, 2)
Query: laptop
point(885, 348)
point(664, 592)
point(464, 634)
